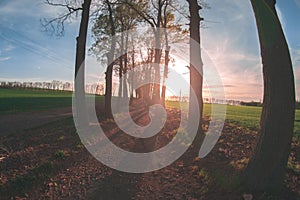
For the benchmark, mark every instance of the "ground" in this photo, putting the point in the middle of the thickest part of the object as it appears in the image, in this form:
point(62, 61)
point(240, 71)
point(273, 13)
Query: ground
point(19, 121)
point(49, 162)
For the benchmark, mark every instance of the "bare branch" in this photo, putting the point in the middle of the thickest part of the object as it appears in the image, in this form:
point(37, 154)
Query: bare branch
point(180, 12)
point(153, 4)
point(70, 8)
point(56, 25)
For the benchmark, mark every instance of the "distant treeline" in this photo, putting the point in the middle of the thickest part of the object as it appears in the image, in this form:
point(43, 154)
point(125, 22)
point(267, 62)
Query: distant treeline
point(252, 103)
point(53, 85)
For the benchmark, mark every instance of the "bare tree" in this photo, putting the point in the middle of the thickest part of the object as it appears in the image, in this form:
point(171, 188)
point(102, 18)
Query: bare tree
point(80, 45)
point(166, 19)
point(110, 61)
point(196, 69)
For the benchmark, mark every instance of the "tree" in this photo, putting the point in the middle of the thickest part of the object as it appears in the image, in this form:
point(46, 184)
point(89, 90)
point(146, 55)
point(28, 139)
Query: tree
point(80, 62)
point(110, 60)
point(80, 45)
point(196, 68)
point(167, 17)
point(111, 31)
point(266, 170)
point(153, 16)
point(126, 20)
point(56, 25)
point(81, 41)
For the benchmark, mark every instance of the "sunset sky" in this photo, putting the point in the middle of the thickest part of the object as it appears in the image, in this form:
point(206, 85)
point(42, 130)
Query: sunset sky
point(229, 40)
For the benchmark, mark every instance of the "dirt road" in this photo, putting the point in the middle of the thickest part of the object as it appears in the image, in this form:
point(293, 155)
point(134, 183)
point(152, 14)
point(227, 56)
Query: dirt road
point(12, 123)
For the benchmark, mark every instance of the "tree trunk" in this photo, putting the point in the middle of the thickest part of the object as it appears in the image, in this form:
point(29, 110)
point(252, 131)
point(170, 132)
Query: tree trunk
point(125, 88)
point(80, 62)
point(148, 75)
point(266, 170)
point(157, 58)
point(110, 61)
point(157, 55)
point(167, 52)
point(166, 67)
point(133, 72)
point(121, 66)
point(196, 73)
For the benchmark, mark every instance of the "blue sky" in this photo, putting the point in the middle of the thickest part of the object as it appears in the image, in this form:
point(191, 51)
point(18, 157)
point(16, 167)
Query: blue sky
point(230, 39)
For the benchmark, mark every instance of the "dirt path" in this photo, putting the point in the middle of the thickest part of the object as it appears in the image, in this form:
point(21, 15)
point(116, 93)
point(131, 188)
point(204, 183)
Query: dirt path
point(50, 162)
point(12, 123)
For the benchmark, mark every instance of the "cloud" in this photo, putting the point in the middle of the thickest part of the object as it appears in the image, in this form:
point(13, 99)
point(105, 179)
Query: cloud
point(28, 11)
point(21, 40)
point(241, 73)
point(27, 8)
point(233, 46)
point(5, 58)
point(9, 47)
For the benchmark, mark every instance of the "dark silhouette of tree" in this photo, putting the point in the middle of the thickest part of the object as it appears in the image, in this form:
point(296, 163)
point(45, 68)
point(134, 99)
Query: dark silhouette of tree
point(266, 170)
point(196, 67)
point(80, 60)
point(49, 25)
point(81, 43)
point(110, 59)
point(166, 18)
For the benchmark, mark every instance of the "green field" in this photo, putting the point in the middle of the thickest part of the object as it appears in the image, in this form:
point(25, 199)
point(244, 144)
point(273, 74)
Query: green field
point(21, 100)
point(18, 100)
point(26, 93)
point(25, 100)
point(245, 116)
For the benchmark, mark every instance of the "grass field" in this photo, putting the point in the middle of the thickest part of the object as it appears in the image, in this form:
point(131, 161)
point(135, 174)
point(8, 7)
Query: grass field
point(245, 116)
point(18, 100)
point(25, 100)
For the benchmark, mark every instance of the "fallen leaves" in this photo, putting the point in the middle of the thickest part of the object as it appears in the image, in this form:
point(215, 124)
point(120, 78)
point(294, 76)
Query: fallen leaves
point(78, 174)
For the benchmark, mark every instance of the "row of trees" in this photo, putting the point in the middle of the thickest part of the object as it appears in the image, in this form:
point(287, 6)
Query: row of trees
point(113, 36)
point(53, 85)
point(266, 169)
point(96, 88)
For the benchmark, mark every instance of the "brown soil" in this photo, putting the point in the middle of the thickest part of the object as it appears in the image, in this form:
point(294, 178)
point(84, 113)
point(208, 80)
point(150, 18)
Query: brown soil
point(13, 123)
point(49, 162)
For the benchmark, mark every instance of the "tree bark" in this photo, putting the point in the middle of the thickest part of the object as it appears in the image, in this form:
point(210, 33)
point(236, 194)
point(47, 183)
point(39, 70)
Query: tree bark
point(167, 52)
point(110, 61)
point(80, 62)
point(121, 69)
point(132, 82)
point(157, 55)
point(166, 69)
point(266, 170)
point(196, 73)
point(125, 88)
